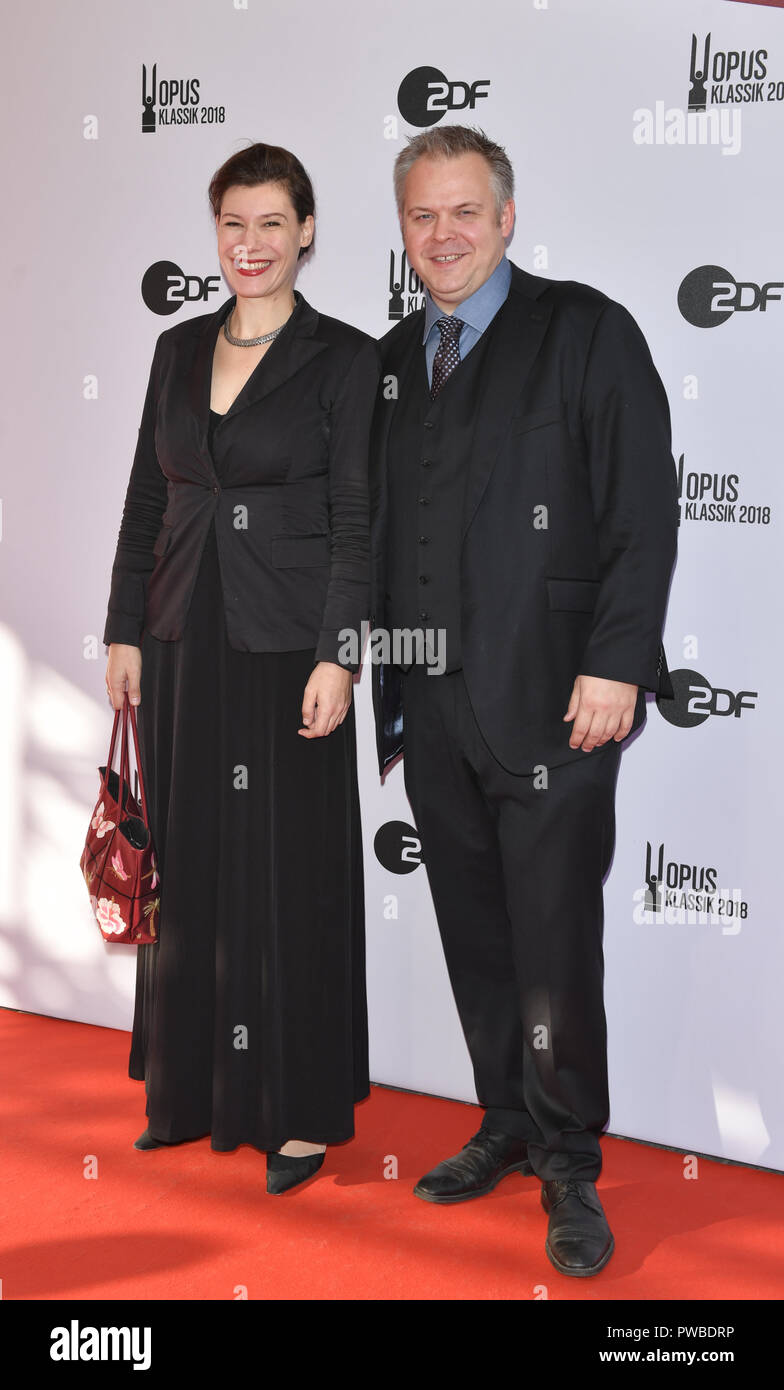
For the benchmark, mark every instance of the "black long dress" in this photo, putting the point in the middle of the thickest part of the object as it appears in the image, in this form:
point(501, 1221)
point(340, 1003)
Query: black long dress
point(250, 1022)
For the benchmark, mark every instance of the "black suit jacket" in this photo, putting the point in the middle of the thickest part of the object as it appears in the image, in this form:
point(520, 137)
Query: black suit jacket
point(569, 531)
point(290, 506)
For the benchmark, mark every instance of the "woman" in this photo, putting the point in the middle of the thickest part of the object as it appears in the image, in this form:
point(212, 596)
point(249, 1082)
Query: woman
point(242, 557)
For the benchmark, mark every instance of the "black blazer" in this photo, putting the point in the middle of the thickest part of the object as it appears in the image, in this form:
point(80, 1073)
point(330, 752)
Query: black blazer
point(290, 506)
point(571, 417)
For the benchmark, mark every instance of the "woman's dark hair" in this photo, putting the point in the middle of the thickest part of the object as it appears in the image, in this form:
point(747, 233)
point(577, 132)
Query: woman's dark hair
point(265, 164)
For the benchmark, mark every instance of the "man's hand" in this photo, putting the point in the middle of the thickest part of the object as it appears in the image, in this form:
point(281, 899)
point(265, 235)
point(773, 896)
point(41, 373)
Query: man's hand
point(326, 701)
point(601, 710)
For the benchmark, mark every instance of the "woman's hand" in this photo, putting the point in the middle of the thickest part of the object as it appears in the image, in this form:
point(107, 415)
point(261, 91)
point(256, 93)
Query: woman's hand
point(326, 701)
point(125, 663)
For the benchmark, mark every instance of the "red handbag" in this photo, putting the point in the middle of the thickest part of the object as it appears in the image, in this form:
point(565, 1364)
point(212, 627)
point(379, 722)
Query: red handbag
point(118, 860)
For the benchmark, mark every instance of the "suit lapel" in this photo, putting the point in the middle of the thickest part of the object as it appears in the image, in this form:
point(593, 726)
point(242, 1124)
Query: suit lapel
point(516, 340)
point(292, 350)
point(398, 362)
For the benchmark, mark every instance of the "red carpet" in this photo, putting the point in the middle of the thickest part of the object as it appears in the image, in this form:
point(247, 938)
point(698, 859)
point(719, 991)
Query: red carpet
point(188, 1223)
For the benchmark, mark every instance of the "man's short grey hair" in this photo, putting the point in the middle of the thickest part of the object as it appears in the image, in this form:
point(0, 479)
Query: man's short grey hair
point(447, 142)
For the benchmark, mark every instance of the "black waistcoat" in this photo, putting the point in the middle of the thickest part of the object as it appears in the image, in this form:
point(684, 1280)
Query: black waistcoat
point(429, 449)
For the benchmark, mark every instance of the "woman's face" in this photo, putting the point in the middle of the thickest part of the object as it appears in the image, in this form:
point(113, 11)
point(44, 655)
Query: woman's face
point(259, 239)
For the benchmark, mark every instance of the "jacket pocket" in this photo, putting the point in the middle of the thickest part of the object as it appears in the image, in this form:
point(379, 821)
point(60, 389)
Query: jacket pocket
point(162, 541)
point(534, 419)
point(295, 551)
point(574, 595)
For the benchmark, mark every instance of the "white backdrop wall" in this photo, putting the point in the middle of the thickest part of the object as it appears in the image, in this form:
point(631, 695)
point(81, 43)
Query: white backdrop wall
point(613, 188)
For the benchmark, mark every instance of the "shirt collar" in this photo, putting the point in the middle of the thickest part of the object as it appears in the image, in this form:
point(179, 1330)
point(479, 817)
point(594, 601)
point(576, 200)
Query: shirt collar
point(480, 307)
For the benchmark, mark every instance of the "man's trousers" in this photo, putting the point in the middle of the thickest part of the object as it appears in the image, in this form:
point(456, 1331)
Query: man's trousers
point(515, 871)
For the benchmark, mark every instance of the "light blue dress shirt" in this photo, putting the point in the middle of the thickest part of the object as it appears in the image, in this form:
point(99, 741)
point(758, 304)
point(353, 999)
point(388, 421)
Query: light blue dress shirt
point(476, 312)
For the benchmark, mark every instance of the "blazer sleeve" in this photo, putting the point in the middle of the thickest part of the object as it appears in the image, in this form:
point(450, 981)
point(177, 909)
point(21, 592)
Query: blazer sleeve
point(145, 503)
point(348, 594)
point(626, 423)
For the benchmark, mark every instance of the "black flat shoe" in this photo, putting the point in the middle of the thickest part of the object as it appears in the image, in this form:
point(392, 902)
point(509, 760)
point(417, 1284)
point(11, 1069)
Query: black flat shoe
point(579, 1239)
point(146, 1141)
point(479, 1167)
point(285, 1170)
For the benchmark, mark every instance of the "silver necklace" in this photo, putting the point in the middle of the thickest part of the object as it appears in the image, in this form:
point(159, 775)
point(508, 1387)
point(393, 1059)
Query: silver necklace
point(249, 342)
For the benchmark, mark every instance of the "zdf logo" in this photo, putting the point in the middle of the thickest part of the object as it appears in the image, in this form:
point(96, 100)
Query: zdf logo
point(425, 95)
point(398, 847)
point(694, 699)
point(709, 296)
point(165, 288)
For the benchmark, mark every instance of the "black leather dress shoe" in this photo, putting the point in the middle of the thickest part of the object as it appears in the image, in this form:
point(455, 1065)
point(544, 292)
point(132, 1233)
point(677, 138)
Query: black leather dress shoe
point(477, 1169)
point(579, 1240)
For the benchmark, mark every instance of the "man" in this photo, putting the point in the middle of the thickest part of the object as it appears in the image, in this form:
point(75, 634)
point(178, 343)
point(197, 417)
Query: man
point(524, 505)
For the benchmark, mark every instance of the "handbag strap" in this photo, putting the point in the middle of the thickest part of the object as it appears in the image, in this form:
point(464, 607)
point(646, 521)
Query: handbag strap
point(125, 780)
point(110, 762)
point(125, 774)
point(110, 759)
point(128, 708)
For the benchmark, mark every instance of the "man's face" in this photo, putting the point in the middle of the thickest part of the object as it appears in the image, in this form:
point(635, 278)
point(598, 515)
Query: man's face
point(451, 232)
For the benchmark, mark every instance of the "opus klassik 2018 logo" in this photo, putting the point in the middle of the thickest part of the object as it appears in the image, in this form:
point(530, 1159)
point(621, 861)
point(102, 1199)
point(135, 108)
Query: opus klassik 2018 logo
point(719, 76)
point(168, 101)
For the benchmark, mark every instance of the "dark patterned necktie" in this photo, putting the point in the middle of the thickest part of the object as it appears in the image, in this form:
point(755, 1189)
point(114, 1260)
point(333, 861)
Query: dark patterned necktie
point(447, 354)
